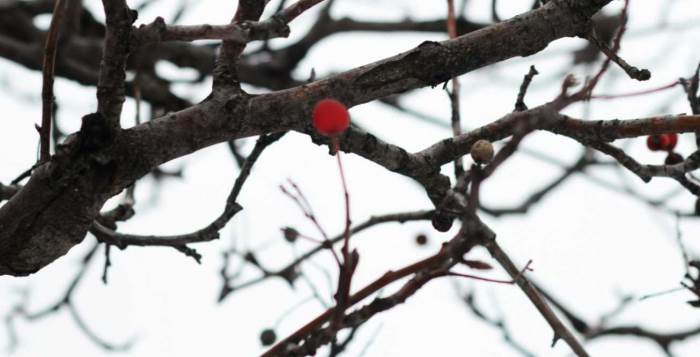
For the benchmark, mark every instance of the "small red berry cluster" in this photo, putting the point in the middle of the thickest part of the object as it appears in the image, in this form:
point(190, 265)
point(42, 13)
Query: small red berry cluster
point(665, 142)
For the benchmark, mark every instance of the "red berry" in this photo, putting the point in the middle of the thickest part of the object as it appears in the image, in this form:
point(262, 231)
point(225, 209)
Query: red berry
point(330, 117)
point(672, 141)
point(665, 142)
point(657, 142)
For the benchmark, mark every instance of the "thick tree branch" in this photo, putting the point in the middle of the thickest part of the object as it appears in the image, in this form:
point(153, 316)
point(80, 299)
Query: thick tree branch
point(117, 46)
point(47, 217)
point(159, 31)
point(226, 71)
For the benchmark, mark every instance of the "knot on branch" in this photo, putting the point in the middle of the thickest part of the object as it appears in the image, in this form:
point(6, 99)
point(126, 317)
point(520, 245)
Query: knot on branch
point(280, 25)
point(236, 108)
point(95, 133)
point(150, 33)
point(473, 232)
point(118, 13)
point(584, 11)
point(290, 274)
point(275, 26)
point(226, 74)
point(130, 15)
point(432, 62)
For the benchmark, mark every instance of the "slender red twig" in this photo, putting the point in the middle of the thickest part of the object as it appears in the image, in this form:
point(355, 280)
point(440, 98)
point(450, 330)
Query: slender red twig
point(498, 281)
point(348, 222)
point(305, 207)
point(347, 269)
point(633, 94)
point(386, 279)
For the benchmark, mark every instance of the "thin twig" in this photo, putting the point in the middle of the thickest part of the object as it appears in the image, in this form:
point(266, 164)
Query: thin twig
point(681, 246)
point(637, 93)
point(456, 120)
point(527, 79)
point(498, 323)
point(47, 96)
point(560, 330)
point(350, 260)
point(300, 199)
point(207, 233)
point(497, 281)
point(66, 301)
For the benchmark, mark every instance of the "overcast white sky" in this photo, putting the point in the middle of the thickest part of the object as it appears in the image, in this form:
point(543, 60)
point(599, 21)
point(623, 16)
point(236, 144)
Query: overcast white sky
point(589, 244)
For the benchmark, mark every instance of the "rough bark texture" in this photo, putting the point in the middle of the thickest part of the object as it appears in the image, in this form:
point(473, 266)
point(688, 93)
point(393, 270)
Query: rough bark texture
point(53, 211)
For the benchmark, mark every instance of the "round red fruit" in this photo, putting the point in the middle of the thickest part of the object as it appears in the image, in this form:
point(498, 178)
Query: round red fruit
point(672, 141)
point(330, 117)
point(657, 142)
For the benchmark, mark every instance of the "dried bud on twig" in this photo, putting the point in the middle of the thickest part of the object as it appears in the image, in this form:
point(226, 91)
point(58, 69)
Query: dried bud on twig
point(482, 152)
point(268, 337)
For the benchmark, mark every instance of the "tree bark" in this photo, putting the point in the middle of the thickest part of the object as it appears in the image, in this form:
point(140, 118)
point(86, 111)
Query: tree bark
point(53, 211)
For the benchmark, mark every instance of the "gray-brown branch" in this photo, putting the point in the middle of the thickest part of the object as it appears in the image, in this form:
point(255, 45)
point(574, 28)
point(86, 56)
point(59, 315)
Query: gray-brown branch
point(54, 210)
